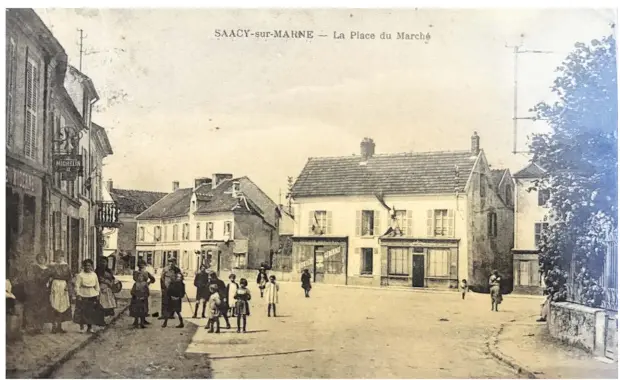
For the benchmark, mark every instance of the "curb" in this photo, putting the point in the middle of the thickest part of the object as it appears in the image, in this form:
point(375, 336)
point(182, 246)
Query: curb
point(47, 372)
point(493, 350)
point(397, 289)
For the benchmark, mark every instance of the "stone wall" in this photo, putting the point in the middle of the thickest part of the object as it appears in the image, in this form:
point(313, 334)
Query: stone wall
point(584, 327)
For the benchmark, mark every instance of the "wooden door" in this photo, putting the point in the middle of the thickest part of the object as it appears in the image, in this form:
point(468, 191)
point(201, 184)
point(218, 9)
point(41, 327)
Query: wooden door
point(319, 265)
point(417, 271)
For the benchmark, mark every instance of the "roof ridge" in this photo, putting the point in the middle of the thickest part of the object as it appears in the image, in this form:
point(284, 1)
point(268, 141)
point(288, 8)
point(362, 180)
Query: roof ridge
point(143, 191)
point(430, 152)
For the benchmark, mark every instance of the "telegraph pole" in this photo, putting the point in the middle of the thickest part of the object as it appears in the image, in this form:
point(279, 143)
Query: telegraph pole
point(516, 50)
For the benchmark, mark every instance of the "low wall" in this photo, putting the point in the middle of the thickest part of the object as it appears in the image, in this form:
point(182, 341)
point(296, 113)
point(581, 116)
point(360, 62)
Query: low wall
point(583, 327)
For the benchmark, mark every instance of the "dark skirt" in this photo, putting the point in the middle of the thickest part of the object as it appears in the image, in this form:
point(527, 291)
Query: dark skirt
point(38, 309)
point(306, 286)
point(242, 308)
point(173, 305)
point(139, 307)
point(59, 317)
point(224, 308)
point(88, 311)
point(202, 293)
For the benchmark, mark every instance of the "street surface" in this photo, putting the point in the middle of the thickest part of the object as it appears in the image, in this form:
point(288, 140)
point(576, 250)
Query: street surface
point(337, 333)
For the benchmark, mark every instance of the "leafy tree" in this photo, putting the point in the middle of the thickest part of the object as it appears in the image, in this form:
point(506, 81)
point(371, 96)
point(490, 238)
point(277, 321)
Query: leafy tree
point(580, 157)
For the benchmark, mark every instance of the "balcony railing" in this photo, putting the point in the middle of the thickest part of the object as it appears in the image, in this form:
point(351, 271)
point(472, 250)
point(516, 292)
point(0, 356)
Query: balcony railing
point(107, 215)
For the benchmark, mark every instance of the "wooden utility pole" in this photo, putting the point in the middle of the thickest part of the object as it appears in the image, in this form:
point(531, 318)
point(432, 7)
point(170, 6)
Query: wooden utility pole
point(81, 46)
point(516, 50)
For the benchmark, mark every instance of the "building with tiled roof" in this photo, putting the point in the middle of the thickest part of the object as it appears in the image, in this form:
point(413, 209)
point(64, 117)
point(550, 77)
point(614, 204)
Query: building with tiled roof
point(531, 218)
point(227, 223)
point(423, 219)
point(120, 242)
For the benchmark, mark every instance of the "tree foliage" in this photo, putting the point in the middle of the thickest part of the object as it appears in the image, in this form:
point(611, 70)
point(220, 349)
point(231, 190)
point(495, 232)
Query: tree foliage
point(580, 159)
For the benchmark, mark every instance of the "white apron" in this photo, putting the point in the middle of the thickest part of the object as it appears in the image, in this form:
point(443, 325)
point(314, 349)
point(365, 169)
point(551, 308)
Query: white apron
point(59, 296)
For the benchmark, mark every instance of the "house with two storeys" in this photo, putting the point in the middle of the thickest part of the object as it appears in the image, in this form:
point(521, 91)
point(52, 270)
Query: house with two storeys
point(222, 222)
point(531, 219)
point(425, 219)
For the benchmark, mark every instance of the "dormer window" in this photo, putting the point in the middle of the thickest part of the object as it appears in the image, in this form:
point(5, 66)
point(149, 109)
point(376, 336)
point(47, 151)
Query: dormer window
point(236, 189)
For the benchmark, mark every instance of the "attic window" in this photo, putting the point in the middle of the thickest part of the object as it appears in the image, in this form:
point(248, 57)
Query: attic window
point(236, 189)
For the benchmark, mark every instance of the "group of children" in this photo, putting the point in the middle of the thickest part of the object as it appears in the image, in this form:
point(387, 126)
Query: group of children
point(216, 299)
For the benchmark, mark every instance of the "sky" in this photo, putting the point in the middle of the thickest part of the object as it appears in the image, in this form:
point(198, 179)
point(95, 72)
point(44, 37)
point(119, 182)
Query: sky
point(179, 103)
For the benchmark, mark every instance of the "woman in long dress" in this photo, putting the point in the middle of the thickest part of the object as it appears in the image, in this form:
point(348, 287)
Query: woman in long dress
point(496, 292)
point(38, 307)
point(60, 286)
point(88, 310)
point(106, 281)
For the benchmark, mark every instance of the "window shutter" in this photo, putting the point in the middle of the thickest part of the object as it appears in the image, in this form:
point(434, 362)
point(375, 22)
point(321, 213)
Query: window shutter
point(429, 222)
point(409, 230)
point(377, 221)
point(328, 222)
point(310, 222)
point(358, 254)
point(358, 223)
point(35, 95)
point(451, 222)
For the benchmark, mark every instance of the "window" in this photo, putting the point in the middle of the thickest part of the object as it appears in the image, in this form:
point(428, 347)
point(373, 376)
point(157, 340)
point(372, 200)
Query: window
point(538, 229)
point(404, 222)
point(524, 273)
point(236, 188)
point(319, 222)
point(440, 223)
point(141, 234)
point(209, 231)
point(492, 224)
point(185, 260)
point(175, 232)
point(543, 197)
point(240, 260)
point(483, 186)
point(332, 259)
point(32, 101)
point(366, 260)
point(11, 58)
point(509, 195)
point(228, 229)
point(398, 261)
point(197, 231)
point(368, 223)
point(157, 233)
point(165, 233)
point(439, 261)
point(186, 231)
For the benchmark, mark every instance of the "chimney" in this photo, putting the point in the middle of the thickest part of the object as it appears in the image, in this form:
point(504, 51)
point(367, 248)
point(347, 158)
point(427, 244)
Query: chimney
point(219, 177)
point(175, 186)
point(109, 185)
point(367, 148)
point(475, 144)
point(201, 181)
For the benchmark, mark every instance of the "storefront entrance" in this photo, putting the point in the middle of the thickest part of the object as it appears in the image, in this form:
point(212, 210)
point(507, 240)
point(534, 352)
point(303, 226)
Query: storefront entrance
point(74, 245)
point(319, 264)
point(324, 258)
point(417, 271)
point(12, 226)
